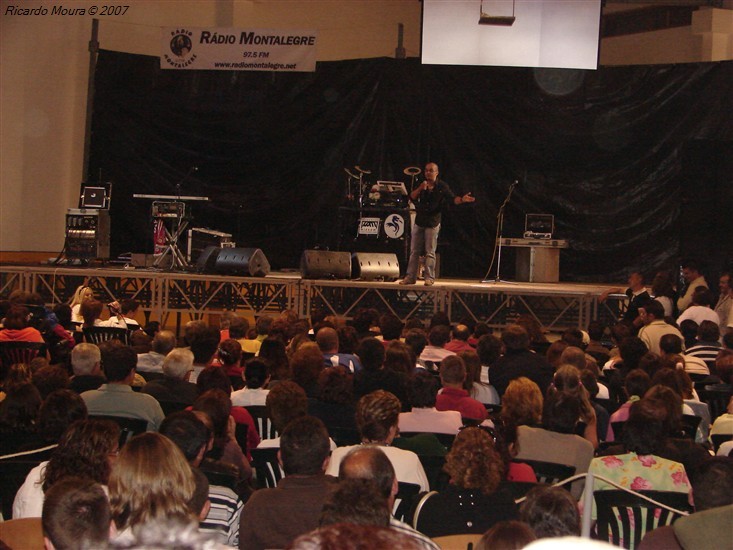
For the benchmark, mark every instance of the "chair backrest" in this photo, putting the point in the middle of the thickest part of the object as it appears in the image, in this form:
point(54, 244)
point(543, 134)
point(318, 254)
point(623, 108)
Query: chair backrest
point(344, 437)
point(550, 472)
point(458, 542)
point(172, 406)
point(129, 427)
point(240, 433)
point(445, 439)
point(150, 376)
point(719, 439)
point(405, 499)
point(689, 425)
point(624, 518)
point(716, 398)
point(267, 468)
point(98, 335)
point(433, 466)
point(262, 421)
point(13, 472)
point(25, 533)
point(12, 353)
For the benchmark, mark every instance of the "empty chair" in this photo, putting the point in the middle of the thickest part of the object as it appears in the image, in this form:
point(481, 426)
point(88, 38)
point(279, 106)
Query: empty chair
point(129, 427)
point(12, 353)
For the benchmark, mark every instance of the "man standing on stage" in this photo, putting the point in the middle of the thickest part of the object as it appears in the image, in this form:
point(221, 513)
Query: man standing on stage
point(430, 198)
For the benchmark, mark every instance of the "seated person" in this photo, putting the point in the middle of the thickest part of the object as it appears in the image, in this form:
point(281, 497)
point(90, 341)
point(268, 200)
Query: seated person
point(424, 417)
point(475, 499)
point(174, 387)
point(163, 343)
point(640, 467)
point(550, 512)
point(453, 397)
point(377, 417)
point(272, 518)
point(256, 377)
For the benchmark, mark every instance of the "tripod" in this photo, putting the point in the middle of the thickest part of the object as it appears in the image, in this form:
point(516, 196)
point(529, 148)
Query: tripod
point(499, 238)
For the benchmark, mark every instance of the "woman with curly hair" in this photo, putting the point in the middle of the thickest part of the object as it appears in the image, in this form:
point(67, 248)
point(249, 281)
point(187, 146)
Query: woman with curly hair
point(151, 482)
point(475, 499)
point(522, 402)
point(87, 449)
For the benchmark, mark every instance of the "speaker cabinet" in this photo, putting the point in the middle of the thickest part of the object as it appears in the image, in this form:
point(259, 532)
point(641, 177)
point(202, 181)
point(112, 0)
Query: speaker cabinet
point(370, 266)
point(237, 261)
point(207, 258)
point(324, 264)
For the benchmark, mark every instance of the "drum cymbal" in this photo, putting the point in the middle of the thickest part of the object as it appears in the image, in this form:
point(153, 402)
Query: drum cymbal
point(411, 171)
point(351, 174)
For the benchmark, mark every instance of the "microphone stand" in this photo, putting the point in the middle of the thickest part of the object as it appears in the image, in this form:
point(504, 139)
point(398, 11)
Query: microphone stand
point(499, 237)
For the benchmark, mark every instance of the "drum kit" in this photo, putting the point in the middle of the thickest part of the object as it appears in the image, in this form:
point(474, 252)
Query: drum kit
point(362, 193)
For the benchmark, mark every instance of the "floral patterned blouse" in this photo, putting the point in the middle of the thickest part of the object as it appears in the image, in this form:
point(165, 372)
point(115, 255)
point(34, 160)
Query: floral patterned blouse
point(639, 473)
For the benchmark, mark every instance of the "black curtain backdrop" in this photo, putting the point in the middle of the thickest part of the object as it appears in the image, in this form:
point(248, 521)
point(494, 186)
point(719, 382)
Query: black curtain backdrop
point(605, 151)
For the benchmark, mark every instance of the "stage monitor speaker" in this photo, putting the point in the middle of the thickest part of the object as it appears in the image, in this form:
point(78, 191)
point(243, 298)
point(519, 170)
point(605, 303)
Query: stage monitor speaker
point(324, 264)
point(370, 266)
point(241, 261)
point(207, 259)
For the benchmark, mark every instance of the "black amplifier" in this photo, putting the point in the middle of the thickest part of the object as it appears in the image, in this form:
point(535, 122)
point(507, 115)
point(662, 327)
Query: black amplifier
point(200, 238)
point(87, 234)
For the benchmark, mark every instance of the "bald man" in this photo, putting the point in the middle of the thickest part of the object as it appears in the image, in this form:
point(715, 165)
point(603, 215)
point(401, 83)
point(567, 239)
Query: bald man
point(430, 198)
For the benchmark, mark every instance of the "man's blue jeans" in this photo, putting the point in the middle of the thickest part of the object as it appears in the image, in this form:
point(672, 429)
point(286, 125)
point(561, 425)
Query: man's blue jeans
point(424, 240)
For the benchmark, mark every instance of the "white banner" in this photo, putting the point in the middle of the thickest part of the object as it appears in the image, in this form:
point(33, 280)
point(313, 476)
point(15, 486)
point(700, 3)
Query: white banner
point(233, 49)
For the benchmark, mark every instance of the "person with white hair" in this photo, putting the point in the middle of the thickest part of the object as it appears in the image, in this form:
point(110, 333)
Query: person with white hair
point(175, 387)
point(163, 343)
point(86, 363)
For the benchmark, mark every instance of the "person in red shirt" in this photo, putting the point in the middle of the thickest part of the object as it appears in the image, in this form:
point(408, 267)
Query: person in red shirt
point(16, 329)
point(453, 397)
point(459, 342)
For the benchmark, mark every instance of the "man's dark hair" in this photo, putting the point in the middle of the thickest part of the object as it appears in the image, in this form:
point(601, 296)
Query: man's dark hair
point(515, 338)
point(596, 330)
point(702, 296)
point(488, 349)
point(369, 462)
point(356, 501)
point(645, 430)
point(263, 324)
point(371, 354)
point(670, 343)
point(76, 514)
point(574, 337)
point(452, 370)
point(689, 328)
point(187, 431)
point(128, 306)
point(238, 328)
point(712, 483)
point(690, 263)
point(50, 378)
point(637, 382)
point(461, 332)
point(422, 389)
point(117, 360)
point(204, 344)
point(327, 339)
point(655, 309)
point(417, 340)
point(255, 373)
point(304, 446)
point(632, 349)
point(550, 512)
point(59, 411)
point(439, 336)
point(439, 318)
point(391, 326)
point(708, 331)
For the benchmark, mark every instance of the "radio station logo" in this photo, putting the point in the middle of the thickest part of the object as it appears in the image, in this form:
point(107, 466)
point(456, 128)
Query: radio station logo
point(181, 47)
point(394, 226)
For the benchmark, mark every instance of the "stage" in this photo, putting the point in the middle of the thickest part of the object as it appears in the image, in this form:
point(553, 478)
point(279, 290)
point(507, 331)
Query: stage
point(173, 297)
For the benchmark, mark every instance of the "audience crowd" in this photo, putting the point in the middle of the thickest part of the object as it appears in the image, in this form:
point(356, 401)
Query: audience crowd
point(321, 432)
